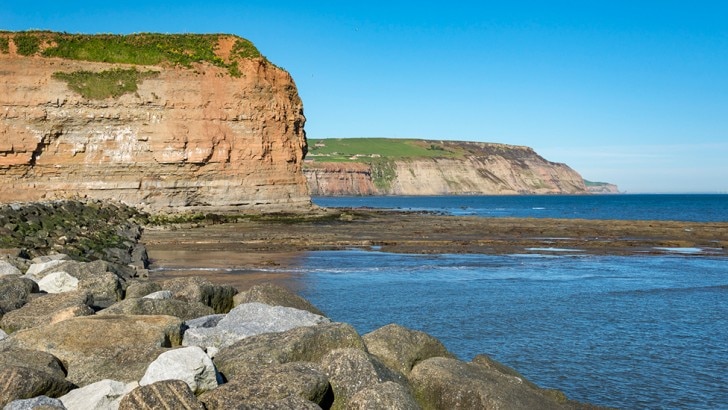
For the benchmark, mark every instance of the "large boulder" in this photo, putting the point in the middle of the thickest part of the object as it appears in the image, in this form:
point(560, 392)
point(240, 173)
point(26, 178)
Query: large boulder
point(196, 289)
point(401, 348)
point(40, 266)
point(302, 344)
point(48, 309)
point(270, 385)
point(165, 394)
point(444, 383)
point(385, 395)
point(97, 277)
point(170, 307)
point(189, 364)
point(36, 403)
point(274, 295)
point(14, 292)
point(94, 348)
point(33, 359)
point(247, 320)
point(19, 382)
point(102, 395)
point(351, 370)
point(141, 288)
point(58, 282)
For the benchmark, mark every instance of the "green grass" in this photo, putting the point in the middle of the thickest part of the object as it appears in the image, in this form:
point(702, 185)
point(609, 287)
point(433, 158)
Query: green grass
point(370, 150)
point(4, 45)
point(137, 49)
point(104, 84)
point(27, 43)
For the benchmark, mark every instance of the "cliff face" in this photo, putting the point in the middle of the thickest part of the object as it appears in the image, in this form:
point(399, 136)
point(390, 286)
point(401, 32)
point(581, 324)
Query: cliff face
point(480, 168)
point(187, 138)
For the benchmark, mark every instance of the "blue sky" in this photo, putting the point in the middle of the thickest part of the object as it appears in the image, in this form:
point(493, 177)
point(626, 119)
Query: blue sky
point(629, 92)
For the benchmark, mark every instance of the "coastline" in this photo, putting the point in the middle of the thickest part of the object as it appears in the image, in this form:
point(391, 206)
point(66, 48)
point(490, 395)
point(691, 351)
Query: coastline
point(426, 233)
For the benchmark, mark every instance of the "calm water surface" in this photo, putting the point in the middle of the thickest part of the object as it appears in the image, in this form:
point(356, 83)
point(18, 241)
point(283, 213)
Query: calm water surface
point(629, 332)
point(698, 208)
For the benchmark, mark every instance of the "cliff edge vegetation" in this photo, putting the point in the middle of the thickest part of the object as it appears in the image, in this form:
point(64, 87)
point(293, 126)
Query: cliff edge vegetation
point(381, 166)
point(165, 122)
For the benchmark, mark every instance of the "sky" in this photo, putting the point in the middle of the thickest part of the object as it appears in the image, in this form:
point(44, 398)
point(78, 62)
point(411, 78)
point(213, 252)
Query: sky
point(629, 92)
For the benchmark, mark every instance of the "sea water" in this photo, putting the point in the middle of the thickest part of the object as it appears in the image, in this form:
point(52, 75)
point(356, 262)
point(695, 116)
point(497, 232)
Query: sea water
point(627, 332)
point(674, 207)
point(623, 331)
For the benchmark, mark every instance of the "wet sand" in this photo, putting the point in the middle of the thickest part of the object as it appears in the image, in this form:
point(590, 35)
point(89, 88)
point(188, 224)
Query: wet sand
point(252, 248)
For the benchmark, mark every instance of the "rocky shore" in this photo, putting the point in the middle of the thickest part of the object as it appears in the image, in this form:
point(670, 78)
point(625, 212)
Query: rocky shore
point(81, 332)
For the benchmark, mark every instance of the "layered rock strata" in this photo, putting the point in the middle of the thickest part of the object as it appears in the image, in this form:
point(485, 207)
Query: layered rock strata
point(486, 168)
point(194, 137)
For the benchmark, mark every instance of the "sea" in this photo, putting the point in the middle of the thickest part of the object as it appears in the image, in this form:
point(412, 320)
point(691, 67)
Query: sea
point(632, 332)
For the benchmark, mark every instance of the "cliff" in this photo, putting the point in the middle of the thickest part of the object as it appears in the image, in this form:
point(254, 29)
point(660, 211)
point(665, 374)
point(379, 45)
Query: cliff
point(163, 122)
point(418, 167)
point(601, 187)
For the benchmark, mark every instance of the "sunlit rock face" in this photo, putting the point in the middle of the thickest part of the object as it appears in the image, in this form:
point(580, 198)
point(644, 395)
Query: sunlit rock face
point(188, 138)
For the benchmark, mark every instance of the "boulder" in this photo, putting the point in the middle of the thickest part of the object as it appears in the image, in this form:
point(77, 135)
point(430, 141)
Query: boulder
point(247, 320)
point(386, 395)
point(14, 292)
point(102, 395)
point(268, 385)
point(7, 268)
point(48, 309)
point(36, 269)
point(33, 359)
point(351, 370)
point(50, 258)
point(96, 277)
point(165, 394)
point(444, 383)
point(140, 288)
point(162, 294)
point(170, 307)
point(401, 348)
point(274, 295)
point(93, 348)
point(189, 364)
point(196, 289)
point(36, 403)
point(3, 335)
point(58, 282)
point(492, 365)
point(19, 382)
point(302, 344)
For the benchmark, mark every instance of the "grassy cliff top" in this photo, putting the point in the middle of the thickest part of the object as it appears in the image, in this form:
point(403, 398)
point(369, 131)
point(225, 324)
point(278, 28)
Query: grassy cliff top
point(138, 49)
point(372, 149)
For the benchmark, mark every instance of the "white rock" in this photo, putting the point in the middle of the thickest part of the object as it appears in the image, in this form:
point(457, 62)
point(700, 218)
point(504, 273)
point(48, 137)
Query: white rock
point(189, 364)
point(58, 282)
point(102, 395)
point(6, 268)
point(250, 319)
point(162, 294)
point(3, 335)
point(39, 402)
point(39, 267)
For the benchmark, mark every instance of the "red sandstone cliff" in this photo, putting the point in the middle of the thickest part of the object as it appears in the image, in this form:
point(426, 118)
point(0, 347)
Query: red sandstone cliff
point(188, 138)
